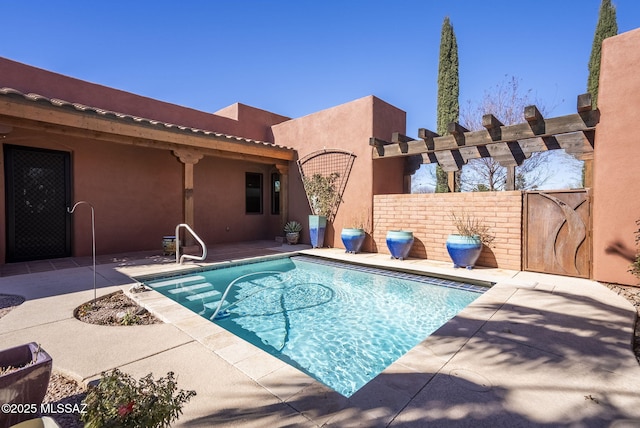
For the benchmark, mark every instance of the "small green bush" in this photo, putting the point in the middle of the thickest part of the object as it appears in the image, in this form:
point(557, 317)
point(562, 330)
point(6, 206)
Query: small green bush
point(118, 400)
point(635, 266)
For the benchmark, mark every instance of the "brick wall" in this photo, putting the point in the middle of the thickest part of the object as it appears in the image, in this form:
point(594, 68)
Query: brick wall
point(428, 217)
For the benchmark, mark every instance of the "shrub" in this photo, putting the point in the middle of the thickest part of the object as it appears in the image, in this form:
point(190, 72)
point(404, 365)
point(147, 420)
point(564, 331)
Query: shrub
point(468, 225)
point(118, 400)
point(635, 266)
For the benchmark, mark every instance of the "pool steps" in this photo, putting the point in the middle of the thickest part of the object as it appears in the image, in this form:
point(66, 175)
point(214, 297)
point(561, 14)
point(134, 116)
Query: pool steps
point(189, 288)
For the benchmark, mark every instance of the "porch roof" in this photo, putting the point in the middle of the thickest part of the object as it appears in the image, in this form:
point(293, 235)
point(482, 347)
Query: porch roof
point(37, 112)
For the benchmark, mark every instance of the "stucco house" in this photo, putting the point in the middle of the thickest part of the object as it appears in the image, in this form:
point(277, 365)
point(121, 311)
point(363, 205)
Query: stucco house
point(147, 165)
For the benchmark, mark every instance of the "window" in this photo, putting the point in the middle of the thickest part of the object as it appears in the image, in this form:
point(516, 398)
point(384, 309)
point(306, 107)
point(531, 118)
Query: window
point(275, 193)
point(253, 193)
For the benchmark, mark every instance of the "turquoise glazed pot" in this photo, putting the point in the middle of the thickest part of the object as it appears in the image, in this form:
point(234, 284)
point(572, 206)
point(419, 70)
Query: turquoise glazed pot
point(352, 239)
point(399, 243)
point(317, 226)
point(464, 250)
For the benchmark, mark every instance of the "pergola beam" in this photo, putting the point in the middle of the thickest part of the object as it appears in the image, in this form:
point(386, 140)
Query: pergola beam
point(519, 140)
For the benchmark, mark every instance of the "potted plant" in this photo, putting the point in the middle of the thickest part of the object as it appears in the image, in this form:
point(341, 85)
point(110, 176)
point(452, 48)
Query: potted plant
point(292, 230)
point(24, 377)
point(465, 247)
point(399, 243)
point(323, 197)
point(353, 237)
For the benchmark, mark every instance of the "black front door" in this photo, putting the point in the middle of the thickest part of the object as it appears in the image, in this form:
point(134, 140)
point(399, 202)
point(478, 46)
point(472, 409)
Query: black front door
point(37, 192)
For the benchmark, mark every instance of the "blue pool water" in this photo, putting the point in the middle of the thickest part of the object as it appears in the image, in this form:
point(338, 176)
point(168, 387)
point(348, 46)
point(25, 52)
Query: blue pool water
point(339, 323)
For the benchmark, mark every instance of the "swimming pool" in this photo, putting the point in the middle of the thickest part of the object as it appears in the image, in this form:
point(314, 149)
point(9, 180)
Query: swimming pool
point(342, 324)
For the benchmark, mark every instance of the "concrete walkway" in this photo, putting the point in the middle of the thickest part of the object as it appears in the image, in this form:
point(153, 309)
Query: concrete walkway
point(533, 351)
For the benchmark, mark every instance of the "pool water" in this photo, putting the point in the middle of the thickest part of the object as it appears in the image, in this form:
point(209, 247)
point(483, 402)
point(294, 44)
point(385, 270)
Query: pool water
point(339, 323)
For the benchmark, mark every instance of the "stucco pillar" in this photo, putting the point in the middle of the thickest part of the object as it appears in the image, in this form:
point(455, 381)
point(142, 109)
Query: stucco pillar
point(188, 158)
point(283, 170)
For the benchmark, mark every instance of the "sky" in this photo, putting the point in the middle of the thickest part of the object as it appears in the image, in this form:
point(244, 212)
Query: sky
point(296, 57)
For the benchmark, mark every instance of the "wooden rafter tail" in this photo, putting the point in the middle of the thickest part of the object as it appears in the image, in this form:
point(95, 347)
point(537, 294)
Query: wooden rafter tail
point(427, 136)
point(379, 145)
point(458, 132)
point(493, 125)
point(589, 114)
point(535, 120)
point(401, 140)
point(585, 103)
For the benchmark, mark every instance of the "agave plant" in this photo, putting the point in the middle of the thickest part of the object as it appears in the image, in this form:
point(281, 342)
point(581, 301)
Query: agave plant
point(292, 227)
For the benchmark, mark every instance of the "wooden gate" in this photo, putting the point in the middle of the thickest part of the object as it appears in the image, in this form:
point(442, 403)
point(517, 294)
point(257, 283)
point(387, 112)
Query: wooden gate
point(557, 232)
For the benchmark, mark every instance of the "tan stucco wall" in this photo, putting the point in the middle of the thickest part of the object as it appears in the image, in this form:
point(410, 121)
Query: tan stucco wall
point(133, 191)
point(348, 127)
point(616, 200)
point(138, 192)
point(219, 195)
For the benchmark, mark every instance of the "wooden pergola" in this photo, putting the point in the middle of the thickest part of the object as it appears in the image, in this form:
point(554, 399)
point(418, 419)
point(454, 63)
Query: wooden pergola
point(509, 145)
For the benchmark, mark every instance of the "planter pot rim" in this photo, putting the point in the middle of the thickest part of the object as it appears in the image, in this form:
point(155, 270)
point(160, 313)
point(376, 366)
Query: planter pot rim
point(465, 236)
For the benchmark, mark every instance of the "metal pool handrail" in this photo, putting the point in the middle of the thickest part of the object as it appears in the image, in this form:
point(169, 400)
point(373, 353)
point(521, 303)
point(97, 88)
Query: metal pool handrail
point(232, 283)
point(180, 258)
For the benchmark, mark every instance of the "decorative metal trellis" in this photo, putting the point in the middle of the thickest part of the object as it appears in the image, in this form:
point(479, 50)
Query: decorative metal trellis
point(334, 166)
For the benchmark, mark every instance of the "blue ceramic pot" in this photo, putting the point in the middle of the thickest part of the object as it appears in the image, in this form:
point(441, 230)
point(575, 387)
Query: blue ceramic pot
point(399, 243)
point(317, 226)
point(352, 239)
point(464, 250)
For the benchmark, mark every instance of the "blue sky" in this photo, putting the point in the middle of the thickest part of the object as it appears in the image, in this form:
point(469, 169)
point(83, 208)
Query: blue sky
point(297, 57)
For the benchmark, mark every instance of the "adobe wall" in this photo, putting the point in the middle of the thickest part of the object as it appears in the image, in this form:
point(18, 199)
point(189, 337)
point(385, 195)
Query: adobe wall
point(219, 202)
point(427, 216)
point(137, 195)
point(238, 119)
point(133, 191)
point(616, 171)
point(348, 127)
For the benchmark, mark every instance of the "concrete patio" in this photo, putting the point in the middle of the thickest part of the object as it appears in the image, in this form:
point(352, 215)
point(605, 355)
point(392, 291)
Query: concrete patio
point(534, 351)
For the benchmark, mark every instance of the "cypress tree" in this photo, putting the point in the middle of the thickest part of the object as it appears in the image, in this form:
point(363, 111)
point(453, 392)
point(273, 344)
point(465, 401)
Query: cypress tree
point(607, 26)
point(448, 91)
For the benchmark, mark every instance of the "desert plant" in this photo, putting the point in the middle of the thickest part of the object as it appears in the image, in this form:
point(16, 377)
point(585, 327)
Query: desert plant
point(292, 227)
point(118, 400)
point(360, 220)
point(635, 266)
point(322, 193)
point(468, 225)
point(129, 318)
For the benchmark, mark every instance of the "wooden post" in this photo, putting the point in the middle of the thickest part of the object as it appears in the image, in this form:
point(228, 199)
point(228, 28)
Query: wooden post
point(283, 170)
point(188, 158)
point(451, 181)
point(511, 177)
point(588, 173)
